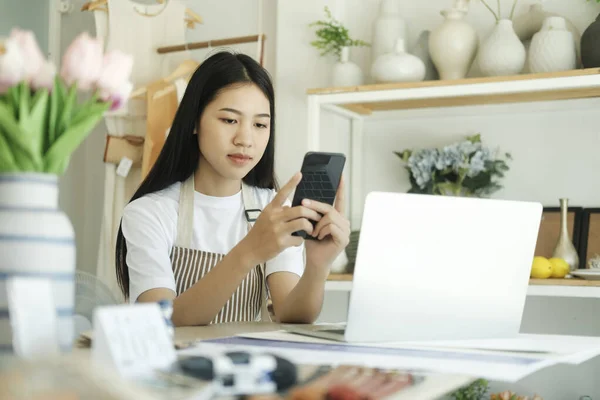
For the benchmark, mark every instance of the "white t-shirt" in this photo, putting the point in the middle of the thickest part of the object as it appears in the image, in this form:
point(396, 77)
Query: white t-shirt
point(149, 226)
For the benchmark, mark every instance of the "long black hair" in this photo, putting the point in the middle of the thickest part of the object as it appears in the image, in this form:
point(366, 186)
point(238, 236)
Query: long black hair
point(180, 154)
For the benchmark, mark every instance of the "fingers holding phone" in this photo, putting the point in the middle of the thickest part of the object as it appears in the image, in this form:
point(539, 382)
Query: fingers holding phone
point(332, 223)
point(272, 231)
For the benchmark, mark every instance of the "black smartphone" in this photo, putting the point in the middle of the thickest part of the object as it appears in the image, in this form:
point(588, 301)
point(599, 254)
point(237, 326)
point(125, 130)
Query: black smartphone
point(321, 175)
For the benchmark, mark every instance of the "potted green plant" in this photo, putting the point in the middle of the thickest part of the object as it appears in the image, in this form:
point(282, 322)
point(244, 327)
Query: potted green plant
point(333, 38)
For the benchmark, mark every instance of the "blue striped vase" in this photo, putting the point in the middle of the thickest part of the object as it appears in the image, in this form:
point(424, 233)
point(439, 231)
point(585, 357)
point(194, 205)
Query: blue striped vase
point(36, 240)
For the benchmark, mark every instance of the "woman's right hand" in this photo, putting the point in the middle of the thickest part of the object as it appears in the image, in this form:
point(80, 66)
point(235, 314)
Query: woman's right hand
point(272, 231)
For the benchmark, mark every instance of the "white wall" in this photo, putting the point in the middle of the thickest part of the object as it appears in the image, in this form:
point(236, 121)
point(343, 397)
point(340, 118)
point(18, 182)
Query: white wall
point(26, 14)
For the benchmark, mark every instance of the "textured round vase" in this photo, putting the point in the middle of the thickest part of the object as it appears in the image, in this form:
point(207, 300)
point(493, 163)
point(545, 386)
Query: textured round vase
point(398, 66)
point(502, 53)
point(36, 241)
point(345, 72)
point(453, 45)
point(590, 45)
point(552, 49)
point(530, 22)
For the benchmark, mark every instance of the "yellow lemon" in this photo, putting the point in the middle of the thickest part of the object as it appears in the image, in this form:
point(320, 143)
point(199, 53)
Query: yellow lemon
point(541, 268)
point(560, 268)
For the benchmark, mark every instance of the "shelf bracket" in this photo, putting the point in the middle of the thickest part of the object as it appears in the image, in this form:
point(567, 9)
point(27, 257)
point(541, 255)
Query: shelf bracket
point(314, 123)
point(356, 150)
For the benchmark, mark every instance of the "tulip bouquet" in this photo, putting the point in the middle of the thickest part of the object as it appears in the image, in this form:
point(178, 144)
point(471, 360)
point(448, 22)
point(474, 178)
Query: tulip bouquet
point(42, 118)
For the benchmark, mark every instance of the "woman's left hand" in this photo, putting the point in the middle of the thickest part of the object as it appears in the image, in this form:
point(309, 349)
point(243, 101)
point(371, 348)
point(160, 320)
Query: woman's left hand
point(332, 231)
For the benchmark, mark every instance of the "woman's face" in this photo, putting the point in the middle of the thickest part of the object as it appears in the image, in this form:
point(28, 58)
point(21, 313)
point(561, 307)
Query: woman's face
point(234, 131)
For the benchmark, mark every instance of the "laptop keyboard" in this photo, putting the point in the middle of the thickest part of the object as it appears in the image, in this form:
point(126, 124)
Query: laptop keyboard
point(316, 185)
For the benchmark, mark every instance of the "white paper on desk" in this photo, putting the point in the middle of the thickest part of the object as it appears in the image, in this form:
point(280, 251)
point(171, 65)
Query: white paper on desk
point(563, 349)
point(567, 349)
point(493, 366)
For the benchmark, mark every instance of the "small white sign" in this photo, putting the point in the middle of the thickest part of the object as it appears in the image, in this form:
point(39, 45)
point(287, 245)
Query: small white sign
point(33, 317)
point(124, 167)
point(132, 338)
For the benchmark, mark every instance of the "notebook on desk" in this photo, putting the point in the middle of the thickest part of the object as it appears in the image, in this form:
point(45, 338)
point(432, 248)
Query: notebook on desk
point(438, 268)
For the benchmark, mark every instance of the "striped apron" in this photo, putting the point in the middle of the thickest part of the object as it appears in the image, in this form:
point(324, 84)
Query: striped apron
point(249, 301)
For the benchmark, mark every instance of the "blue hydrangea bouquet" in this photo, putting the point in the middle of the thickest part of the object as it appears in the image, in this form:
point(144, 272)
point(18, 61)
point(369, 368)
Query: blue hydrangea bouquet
point(466, 168)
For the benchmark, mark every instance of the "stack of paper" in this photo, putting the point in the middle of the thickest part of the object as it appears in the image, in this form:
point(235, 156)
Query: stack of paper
point(501, 360)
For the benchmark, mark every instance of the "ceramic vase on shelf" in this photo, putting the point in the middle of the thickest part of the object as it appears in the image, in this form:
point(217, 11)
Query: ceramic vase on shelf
point(421, 50)
point(398, 66)
point(552, 48)
point(564, 247)
point(387, 27)
point(502, 53)
point(37, 241)
point(345, 72)
point(453, 45)
point(462, 5)
point(590, 45)
point(530, 22)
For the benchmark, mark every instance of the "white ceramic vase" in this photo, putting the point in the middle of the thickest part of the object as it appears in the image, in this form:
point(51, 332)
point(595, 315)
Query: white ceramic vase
point(345, 72)
point(398, 66)
point(462, 5)
point(552, 48)
point(528, 23)
point(36, 240)
point(453, 45)
point(387, 27)
point(421, 50)
point(502, 53)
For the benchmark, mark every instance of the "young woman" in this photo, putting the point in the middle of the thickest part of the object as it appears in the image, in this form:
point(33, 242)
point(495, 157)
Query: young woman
point(189, 232)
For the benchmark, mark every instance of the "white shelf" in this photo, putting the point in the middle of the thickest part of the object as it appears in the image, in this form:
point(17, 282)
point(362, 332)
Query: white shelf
point(367, 99)
point(360, 102)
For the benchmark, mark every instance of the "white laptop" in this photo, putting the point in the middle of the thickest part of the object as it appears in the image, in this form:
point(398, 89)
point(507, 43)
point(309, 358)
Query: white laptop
point(438, 268)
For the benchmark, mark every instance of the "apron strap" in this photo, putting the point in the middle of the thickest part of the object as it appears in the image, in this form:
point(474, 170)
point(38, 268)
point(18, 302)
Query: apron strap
point(253, 209)
point(252, 206)
point(185, 220)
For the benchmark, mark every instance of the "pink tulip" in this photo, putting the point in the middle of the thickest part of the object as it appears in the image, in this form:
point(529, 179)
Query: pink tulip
point(119, 97)
point(114, 84)
point(35, 60)
point(12, 65)
point(45, 77)
point(82, 62)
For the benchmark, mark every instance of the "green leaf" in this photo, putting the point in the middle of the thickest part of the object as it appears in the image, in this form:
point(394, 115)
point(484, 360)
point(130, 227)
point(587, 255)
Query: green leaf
point(56, 103)
point(90, 106)
point(12, 96)
point(61, 150)
point(35, 124)
point(18, 141)
point(24, 102)
point(7, 160)
point(65, 117)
